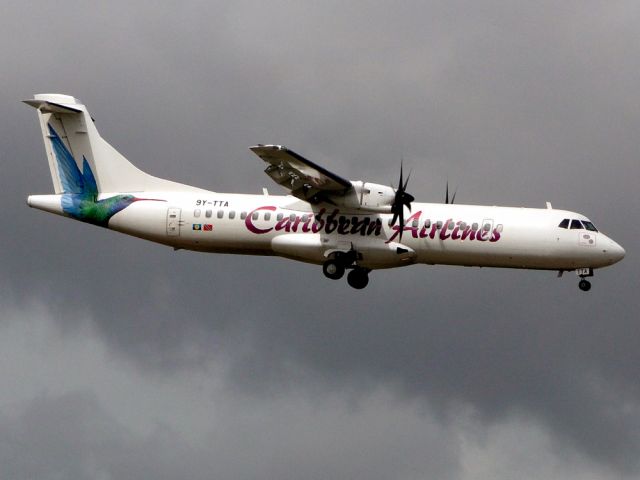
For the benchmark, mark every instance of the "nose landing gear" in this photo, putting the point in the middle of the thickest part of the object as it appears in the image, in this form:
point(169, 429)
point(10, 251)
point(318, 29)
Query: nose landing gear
point(584, 284)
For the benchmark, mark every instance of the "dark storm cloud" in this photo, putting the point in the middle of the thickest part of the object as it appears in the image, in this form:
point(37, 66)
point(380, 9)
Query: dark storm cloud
point(515, 104)
point(73, 436)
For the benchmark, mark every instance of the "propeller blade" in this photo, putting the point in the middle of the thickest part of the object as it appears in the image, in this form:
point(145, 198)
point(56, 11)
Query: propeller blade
point(402, 199)
point(407, 198)
point(395, 217)
point(446, 195)
point(404, 187)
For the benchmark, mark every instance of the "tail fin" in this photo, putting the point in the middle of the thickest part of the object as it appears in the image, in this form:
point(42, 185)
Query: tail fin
point(73, 142)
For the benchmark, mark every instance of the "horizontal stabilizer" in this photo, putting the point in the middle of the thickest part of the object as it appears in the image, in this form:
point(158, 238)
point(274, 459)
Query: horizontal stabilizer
point(51, 107)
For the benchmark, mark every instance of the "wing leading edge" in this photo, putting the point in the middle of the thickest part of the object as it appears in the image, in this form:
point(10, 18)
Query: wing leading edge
point(305, 179)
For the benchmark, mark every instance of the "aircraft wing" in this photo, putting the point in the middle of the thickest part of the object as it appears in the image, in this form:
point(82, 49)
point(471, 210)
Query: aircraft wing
point(305, 179)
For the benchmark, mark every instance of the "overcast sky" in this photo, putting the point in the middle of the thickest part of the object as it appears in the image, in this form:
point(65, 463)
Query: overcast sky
point(123, 359)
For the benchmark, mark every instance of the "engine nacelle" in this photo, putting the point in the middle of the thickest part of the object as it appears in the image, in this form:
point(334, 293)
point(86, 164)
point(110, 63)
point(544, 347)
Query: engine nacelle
point(371, 197)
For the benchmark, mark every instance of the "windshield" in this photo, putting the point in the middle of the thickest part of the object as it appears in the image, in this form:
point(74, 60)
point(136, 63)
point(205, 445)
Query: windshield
point(577, 225)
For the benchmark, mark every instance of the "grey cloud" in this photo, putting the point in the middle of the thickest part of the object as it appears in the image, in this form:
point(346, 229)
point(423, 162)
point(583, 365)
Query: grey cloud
point(73, 436)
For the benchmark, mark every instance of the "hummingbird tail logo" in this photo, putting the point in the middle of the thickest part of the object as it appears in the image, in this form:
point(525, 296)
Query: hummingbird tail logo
point(80, 190)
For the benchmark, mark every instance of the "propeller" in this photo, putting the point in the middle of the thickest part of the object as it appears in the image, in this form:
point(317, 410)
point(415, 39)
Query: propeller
point(446, 195)
point(402, 199)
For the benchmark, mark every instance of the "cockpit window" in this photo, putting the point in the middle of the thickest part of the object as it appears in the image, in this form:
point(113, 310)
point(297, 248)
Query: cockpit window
point(578, 225)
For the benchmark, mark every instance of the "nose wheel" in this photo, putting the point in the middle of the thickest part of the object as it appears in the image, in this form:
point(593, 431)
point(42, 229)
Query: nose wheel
point(584, 285)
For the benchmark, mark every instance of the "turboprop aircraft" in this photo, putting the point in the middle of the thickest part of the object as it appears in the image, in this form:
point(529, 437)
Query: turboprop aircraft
point(325, 219)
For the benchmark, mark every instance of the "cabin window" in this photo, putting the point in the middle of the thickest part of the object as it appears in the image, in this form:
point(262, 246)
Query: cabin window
point(576, 225)
point(207, 214)
point(292, 217)
point(427, 224)
point(463, 225)
point(439, 225)
point(280, 216)
point(414, 224)
point(220, 214)
point(232, 214)
point(564, 223)
point(305, 218)
point(243, 215)
point(499, 228)
point(474, 227)
point(486, 227)
point(196, 212)
point(589, 226)
point(255, 215)
point(451, 225)
point(267, 215)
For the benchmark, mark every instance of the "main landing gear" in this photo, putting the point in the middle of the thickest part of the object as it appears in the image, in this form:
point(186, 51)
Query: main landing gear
point(335, 267)
point(358, 278)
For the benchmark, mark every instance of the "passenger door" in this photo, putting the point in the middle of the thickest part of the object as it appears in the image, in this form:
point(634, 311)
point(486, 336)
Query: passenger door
point(173, 222)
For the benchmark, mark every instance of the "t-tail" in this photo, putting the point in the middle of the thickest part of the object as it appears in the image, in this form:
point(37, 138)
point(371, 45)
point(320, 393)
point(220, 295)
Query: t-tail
point(88, 173)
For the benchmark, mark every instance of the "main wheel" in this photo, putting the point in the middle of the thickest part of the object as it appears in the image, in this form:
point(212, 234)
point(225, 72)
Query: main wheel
point(358, 278)
point(333, 269)
point(584, 285)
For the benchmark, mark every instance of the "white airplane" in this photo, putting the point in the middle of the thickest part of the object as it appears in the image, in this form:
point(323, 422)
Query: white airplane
point(325, 219)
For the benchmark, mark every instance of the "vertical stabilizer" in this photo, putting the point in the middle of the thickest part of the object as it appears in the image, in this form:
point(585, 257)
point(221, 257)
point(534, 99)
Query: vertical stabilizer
point(80, 160)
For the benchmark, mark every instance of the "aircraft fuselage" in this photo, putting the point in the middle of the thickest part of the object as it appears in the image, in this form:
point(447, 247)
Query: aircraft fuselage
point(470, 235)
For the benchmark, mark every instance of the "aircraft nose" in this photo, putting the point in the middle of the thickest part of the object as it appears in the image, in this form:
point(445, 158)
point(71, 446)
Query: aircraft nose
point(615, 252)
